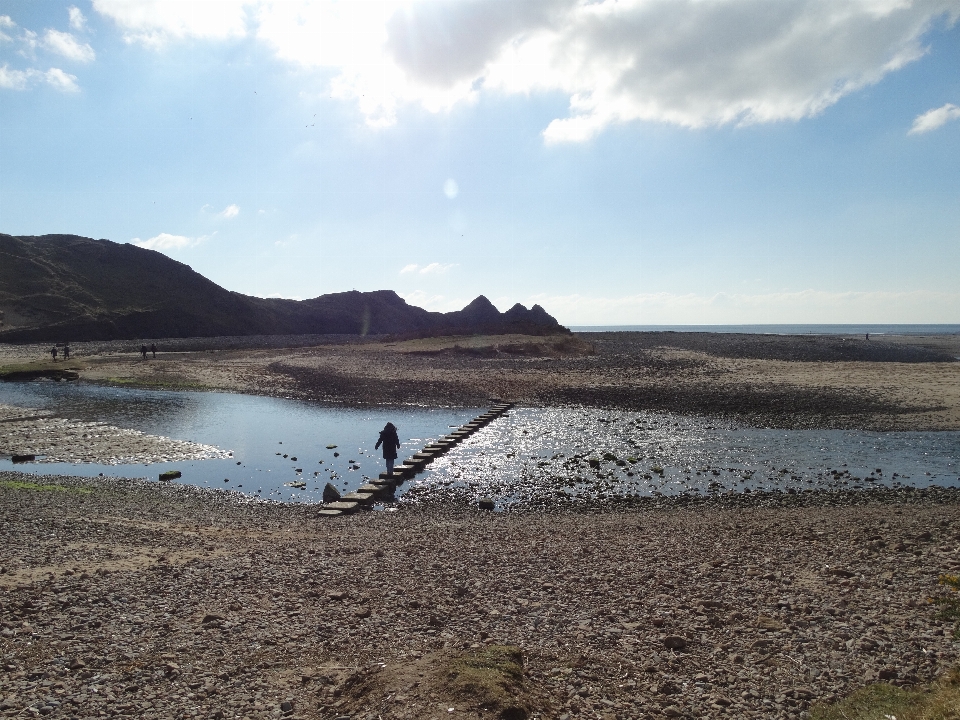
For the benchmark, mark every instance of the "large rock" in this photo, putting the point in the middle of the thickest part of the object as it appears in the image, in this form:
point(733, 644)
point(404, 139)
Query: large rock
point(330, 493)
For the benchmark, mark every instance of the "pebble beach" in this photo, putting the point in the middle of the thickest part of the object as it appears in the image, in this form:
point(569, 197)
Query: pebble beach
point(128, 598)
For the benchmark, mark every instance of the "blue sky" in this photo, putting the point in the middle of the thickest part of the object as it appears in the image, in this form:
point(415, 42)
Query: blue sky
point(618, 162)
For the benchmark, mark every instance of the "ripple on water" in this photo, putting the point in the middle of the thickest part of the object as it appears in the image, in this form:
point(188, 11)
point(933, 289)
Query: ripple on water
point(588, 454)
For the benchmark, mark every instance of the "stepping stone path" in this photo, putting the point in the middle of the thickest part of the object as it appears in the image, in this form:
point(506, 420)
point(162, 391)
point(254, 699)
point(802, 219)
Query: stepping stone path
point(385, 485)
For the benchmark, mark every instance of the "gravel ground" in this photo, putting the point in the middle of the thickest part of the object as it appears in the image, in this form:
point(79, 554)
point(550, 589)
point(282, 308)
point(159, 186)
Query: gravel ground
point(126, 598)
point(25, 431)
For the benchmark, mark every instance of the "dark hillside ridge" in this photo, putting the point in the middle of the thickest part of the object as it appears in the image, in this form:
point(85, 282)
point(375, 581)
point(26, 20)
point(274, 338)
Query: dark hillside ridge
point(56, 288)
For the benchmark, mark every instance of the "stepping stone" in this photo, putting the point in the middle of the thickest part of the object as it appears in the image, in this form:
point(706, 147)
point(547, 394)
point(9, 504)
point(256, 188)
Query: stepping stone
point(326, 512)
point(341, 505)
point(364, 498)
point(374, 489)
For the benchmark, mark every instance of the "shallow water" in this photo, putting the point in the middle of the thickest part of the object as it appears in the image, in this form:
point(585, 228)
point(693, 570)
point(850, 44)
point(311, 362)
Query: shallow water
point(260, 431)
point(537, 452)
point(530, 453)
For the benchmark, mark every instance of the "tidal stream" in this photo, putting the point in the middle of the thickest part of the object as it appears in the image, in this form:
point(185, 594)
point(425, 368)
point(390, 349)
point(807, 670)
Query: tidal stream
point(576, 453)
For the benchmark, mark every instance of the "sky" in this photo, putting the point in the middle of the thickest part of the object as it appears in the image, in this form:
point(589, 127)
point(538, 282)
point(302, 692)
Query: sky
point(615, 161)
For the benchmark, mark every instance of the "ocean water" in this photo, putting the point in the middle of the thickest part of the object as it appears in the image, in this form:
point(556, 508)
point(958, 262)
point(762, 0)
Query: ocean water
point(781, 329)
point(527, 454)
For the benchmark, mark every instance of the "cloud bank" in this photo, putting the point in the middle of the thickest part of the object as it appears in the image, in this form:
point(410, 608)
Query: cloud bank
point(692, 63)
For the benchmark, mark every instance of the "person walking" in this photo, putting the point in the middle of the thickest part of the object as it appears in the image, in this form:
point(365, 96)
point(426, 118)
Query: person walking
point(143, 352)
point(66, 352)
point(153, 349)
point(53, 351)
point(391, 443)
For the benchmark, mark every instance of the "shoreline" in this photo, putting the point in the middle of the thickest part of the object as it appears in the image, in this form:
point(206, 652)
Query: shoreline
point(789, 382)
point(179, 602)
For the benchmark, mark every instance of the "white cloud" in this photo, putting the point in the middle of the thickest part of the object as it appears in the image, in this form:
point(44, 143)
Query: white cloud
point(431, 269)
point(14, 79)
point(68, 46)
point(20, 79)
point(165, 241)
point(230, 211)
point(434, 303)
point(807, 306)
point(77, 20)
point(688, 62)
point(451, 189)
point(7, 22)
point(156, 22)
point(61, 81)
point(933, 119)
point(436, 268)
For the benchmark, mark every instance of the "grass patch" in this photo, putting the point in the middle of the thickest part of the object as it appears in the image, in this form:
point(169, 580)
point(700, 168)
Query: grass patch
point(493, 678)
point(34, 487)
point(940, 701)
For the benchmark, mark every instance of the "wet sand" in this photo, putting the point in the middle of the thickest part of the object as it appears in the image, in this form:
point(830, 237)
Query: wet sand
point(134, 599)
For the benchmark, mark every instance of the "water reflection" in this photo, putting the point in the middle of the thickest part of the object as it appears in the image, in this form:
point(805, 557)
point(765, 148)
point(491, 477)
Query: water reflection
point(589, 454)
point(528, 454)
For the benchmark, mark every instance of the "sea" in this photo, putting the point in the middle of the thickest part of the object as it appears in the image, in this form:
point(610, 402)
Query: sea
point(778, 329)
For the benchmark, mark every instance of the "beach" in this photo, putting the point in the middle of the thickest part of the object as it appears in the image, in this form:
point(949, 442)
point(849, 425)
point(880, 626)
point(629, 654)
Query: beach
point(129, 598)
point(897, 383)
point(134, 598)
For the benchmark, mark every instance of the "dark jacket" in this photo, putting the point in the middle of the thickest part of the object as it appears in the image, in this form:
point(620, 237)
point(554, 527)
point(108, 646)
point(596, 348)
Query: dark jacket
point(390, 442)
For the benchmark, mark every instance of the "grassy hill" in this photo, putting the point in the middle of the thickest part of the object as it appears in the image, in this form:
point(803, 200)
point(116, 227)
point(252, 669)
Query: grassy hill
point(68, 288)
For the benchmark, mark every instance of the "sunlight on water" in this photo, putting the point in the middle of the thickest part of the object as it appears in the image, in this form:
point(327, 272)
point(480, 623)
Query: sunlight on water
point(529, 454)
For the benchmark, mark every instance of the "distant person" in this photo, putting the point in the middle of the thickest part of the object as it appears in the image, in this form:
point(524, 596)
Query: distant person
point(66, 352)
point(53, 351)
point(153, 349)
point(391, 443)
point(868, 337)
point(143, 351)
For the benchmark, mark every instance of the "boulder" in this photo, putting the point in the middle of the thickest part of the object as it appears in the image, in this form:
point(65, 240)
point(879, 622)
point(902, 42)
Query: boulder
point(330, 493)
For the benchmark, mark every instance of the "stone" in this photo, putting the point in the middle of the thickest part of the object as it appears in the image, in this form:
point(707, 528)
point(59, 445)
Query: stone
point(486, 503)
point(765, 622)
point(674, 642)
point(364, 498)
point(342, 506)
point(170, 475)
point(330, 493)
